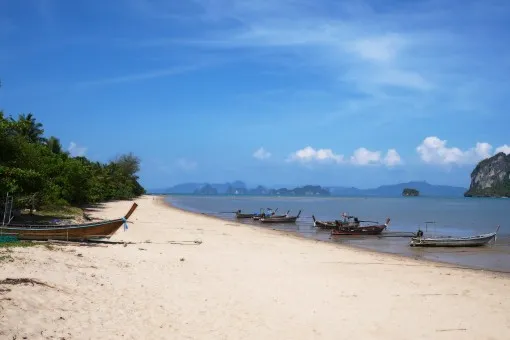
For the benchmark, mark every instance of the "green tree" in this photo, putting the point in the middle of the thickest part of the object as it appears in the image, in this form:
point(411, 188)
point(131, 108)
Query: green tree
point(28, 127)
point(54, 145)
point(32, 166)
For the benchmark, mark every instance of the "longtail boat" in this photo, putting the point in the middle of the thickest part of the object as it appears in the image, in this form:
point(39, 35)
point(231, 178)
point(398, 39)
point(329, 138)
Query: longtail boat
point(349, 221)
point(261, 213)
point(69, 232)
point(272, 215)
point(448, 241)
point(284, 219)
point(323, 224)
point(240, 215)
point(360, 230)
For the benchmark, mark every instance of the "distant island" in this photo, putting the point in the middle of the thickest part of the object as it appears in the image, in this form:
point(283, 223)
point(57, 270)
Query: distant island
point(491, 177)
point(239, 188)
point(307, 190)
point(410, 192)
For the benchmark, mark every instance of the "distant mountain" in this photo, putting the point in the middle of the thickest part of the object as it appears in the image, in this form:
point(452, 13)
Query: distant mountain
point(307, 190)
point(425, 189)
point(206, 190)
point(260, 190)
point(190, 188)
point(240, 188)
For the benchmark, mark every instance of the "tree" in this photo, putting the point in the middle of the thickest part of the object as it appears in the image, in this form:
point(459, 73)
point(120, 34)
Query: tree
point(31, 165)
point(129, 164)
point(410, 192)
point(28, 127)
point(53, 143)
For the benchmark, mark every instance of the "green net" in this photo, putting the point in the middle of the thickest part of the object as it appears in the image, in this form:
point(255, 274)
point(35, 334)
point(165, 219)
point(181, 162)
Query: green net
point(8, 238)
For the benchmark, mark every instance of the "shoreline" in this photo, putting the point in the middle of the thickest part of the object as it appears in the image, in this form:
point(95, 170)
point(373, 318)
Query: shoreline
point(296, 235)
point(237, 283)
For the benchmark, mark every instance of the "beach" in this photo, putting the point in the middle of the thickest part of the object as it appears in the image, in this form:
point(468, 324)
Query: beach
point(182, 275)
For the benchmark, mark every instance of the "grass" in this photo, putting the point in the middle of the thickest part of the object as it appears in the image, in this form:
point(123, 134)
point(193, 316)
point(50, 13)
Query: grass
point(59, 212)
point(17, 244)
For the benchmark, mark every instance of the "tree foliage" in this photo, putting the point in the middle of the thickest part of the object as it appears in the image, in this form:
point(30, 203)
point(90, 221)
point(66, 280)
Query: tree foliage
point(31, 165)
point(410, 192)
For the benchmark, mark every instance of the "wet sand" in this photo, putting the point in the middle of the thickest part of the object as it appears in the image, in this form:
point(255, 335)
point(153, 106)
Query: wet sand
point(394, 240)
point(240, 282)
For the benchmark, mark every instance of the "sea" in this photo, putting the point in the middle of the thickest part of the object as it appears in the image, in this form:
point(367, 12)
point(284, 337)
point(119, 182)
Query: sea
point(451, 217)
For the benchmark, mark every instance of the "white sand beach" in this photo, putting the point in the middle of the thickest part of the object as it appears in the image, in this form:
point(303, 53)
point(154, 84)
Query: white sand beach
point(241, 282)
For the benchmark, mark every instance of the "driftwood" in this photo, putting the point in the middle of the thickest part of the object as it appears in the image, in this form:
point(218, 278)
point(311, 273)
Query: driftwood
point(23, 280)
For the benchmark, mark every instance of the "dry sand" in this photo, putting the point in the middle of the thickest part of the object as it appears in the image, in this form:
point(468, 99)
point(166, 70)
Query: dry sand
point(242, 282)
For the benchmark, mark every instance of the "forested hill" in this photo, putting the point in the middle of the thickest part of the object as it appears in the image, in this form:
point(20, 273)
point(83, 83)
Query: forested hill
point(35, 166)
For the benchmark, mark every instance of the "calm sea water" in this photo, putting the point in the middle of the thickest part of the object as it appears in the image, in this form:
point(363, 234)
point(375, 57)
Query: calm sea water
point(453, 217)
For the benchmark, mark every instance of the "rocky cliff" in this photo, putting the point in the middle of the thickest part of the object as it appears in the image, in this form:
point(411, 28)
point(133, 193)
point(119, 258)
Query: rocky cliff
point(491, 177)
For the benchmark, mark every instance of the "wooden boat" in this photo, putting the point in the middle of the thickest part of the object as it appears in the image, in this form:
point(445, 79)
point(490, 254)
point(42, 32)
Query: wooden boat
point(70, 232)
point(283, 219)
point(323, 224)
point(349, 221)
point(241, 215)
point(360, 230)
point(448, 241)
point(273, 215)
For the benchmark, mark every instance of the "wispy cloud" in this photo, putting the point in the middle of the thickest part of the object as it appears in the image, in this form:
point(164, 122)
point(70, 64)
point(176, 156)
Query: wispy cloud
point(261, 154)
point(403, 69)
point(75, 150)
point(361, 157)
point(186, 164)
point(160, 73)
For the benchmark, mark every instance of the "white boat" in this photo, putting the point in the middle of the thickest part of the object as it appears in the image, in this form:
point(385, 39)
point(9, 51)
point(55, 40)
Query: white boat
point(448, 241)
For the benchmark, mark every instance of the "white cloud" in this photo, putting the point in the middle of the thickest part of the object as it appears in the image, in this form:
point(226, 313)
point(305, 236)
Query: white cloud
point(261, 154)
point(186, 164)
point(392, 158)
point(310, 154)
point(361, 156)
point(435, 151)
point(504, 148)
point(75, 150)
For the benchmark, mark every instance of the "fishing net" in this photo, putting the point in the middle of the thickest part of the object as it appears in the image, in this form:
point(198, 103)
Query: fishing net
point(8, 238)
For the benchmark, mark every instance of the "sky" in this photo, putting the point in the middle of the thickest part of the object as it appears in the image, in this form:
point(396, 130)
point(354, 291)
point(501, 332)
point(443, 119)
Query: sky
point(291, 92)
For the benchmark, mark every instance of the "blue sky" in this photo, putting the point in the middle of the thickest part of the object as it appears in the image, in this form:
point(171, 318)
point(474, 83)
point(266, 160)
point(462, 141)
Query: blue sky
point(347, 93)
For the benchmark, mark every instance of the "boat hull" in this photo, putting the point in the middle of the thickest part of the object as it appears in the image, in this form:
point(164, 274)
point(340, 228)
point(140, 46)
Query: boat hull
point(66, 233)
point(474, 241)
point(73, 232)
point(241, 216)
point(278, 220)
point(324, 224)
point(368, 230)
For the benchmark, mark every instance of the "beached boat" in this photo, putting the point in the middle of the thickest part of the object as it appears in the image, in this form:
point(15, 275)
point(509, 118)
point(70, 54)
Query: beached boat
point(240, 215)
point(258, 215)
point(323, 224)
point(282, 219)
point(348, 221)
point(70, 232)
point(448, 241)
point(272, 215)
point(360, 230)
